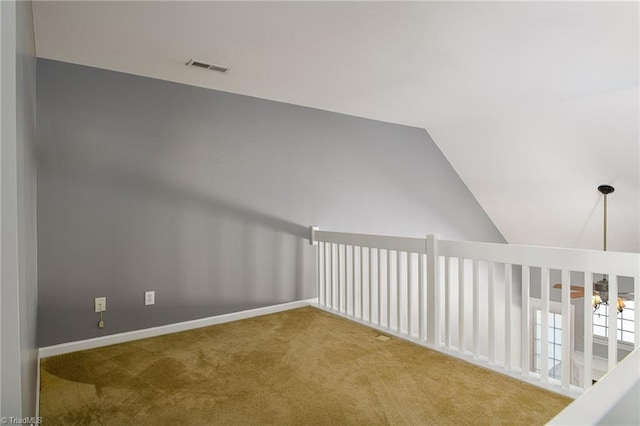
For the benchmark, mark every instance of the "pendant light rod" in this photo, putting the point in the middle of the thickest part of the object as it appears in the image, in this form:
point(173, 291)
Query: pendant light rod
point(606, 190)
point(604, 242)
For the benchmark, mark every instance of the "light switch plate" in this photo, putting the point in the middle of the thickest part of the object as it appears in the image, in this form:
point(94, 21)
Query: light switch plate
point(149, 297)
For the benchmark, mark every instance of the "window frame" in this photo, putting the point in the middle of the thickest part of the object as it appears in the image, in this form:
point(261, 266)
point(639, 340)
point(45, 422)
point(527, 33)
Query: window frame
point(622, 344)
point(554, 308)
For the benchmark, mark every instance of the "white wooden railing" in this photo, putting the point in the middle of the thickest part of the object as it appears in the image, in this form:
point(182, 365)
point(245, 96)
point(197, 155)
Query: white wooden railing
point(457, 296)
point(613, 402)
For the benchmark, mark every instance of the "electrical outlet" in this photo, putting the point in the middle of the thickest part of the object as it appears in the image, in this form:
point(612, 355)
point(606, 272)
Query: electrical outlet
point(101, 304)
point(149, 297)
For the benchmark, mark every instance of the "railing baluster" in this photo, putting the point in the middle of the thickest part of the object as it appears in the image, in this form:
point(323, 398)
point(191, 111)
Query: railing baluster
point(636, 312)
point(447, 302)
point(370, 287)
point(323, 287)
point(345, 282)
point(389, 289)
point(566, 330)
point(338, 277)
point(525, 322)
point(319, 267)
point(360, 256)
point(461, 337)
point(325, 273)
point(340, 266)
point(331, 274)
point(492, 313)
point(587, 374)
point(379, 299)
point(343, 278)
point(353, 281)
point(409, 281)
point(345, 289)
point(422, 318)
point(544, 328)
point(612, 324)
point(476, 309)
point(508, 269)
point(398, 284)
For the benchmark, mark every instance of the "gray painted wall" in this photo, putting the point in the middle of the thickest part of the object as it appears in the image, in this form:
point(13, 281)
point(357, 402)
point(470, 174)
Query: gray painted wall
point(18, 301)
point(205, 197)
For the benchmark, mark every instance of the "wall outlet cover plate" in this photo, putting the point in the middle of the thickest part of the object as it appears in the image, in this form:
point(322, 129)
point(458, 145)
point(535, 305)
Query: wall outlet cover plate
point(100, 304)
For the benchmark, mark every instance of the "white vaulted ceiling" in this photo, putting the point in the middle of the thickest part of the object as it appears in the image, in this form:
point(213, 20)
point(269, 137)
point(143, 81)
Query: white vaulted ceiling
point(534, 103)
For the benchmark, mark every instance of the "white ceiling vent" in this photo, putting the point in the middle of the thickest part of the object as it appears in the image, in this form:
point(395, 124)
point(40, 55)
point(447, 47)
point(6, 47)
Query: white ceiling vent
point(199, 64)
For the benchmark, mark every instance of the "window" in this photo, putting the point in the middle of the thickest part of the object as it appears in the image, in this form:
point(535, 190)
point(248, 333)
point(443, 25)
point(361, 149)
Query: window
point(554, 337)
point(554, 354)
point(625, 322)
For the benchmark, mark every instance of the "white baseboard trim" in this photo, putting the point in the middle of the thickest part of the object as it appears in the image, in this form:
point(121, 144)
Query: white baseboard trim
point(129, 336)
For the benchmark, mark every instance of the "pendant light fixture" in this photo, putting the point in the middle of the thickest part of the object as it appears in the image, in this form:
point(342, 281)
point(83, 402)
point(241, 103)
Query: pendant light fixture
point(602, 286)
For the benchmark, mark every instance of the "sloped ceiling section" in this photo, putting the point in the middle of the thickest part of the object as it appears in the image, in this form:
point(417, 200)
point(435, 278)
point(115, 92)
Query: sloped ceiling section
point(535, 104)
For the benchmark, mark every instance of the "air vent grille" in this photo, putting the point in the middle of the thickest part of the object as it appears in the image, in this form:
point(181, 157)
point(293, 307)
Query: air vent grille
point(211, 67)
point(218, 68)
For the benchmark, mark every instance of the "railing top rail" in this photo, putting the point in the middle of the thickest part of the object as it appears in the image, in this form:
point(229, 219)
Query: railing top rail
point(596, 404)
point(609, 262)
point(414, 245)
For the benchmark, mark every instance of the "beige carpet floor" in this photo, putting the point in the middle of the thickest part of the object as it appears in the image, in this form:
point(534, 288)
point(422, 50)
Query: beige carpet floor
point(303, 366)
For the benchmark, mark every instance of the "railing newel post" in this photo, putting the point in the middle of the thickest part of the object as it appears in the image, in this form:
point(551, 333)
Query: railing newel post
point(312, 237)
